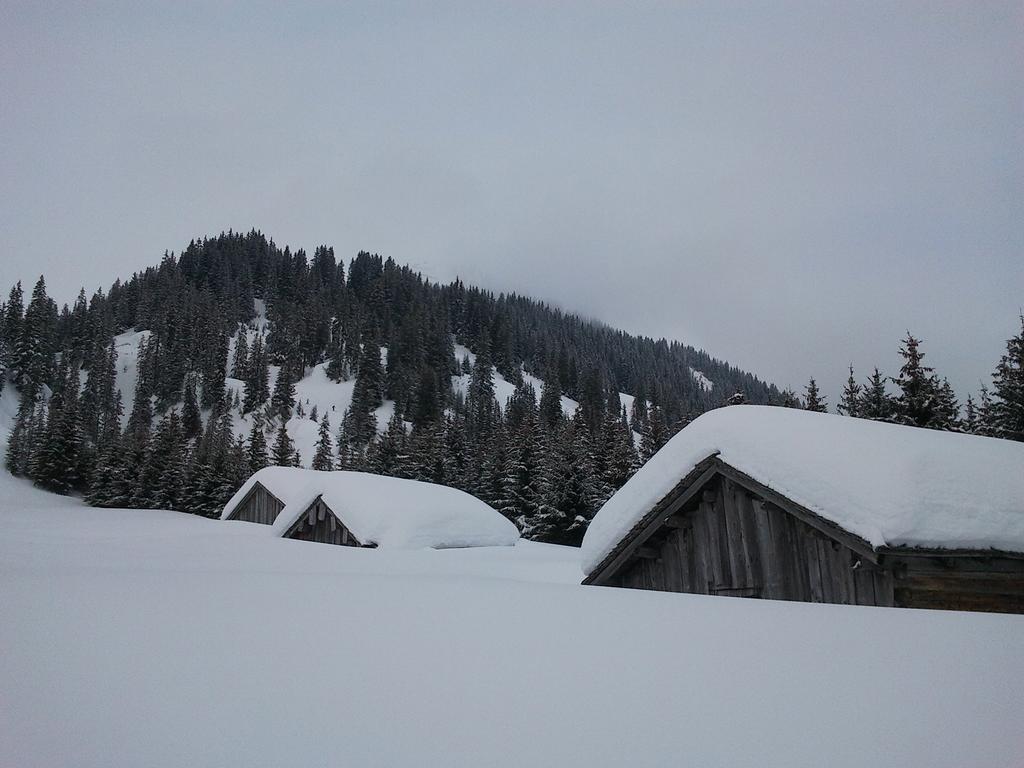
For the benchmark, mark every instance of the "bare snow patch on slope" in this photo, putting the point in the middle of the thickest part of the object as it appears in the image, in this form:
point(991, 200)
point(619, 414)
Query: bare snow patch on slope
point(701, 380)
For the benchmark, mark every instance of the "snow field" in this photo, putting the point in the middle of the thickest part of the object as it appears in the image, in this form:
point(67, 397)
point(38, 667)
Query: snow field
point(159, 639)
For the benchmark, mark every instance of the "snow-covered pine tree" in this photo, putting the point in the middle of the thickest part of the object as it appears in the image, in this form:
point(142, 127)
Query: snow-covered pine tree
point(283, 400)
point(876, 403)
point(33, 354)
point(947, 409)
point(813, 399)
point(257, 385)
point(257, 457)
point(851, 399)
point(323, 458)
point(551, 399)
point(916, 405)
point(11, 322)
point(283, 452)
point(655, 434)
point(1007, 409)
point(191, 421)
point(240, 360)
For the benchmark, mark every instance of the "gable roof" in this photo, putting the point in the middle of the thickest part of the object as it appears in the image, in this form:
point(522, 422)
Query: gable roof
point(890, 485)
point(386, 511)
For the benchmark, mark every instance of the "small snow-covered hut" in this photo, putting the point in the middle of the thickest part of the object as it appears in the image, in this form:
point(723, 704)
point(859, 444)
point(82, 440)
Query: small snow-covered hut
point(363, 510)
point(787, 504)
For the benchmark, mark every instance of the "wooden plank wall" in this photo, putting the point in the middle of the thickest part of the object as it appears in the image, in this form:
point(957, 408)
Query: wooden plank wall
point(994, 584)
point(259, 507)
point(319, 524)
point(732, 542)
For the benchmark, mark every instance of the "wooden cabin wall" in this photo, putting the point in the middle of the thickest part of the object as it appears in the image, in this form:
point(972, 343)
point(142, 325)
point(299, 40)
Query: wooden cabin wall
point(259, 506)
point(319, 524)
point(994, 584)
point(735, 543)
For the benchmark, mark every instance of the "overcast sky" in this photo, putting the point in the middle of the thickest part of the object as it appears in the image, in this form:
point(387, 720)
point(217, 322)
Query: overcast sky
point(789, 186)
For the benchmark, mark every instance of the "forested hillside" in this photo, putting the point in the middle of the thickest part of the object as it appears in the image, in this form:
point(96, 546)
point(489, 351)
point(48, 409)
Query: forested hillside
point(170, 388)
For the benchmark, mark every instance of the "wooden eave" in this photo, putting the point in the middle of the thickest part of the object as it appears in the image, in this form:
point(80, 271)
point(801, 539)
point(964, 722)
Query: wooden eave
point(654, 520)
point(248, 495)
point(897, 552)
point(664, 515)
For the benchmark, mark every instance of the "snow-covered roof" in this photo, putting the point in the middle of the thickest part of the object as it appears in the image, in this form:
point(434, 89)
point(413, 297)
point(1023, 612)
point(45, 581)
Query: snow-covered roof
point(890, 485)
point(386, 511)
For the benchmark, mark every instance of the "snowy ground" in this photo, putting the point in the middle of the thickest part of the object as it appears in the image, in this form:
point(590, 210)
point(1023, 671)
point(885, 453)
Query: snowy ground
point(139, 638)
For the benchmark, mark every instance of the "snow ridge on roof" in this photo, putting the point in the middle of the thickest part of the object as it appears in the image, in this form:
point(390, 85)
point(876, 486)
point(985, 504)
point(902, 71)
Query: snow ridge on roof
point(890, 485)
point(386, 511)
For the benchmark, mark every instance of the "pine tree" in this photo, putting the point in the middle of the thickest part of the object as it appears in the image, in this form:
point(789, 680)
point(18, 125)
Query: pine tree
point(947, 409)
point(655, 434)
point(551, 399)
point(875, 402)
point(33, 355)
point(191, 422)
point(813, 400)
point(986, 414)
point(970, 423)
point(323, 459)
point(851, 400)
point(10, 326)
point(240, 361)
point(257, 387)
point(916, 405)
point(283, 452)
point(1007, 415)
point(257, 456)
point(283, 399)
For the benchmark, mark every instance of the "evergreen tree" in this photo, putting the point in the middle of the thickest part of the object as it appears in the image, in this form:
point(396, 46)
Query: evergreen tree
point(323, 459)
point(283, 399)
point(875, 402)
point(10, 326)
point(257, 386)
point(970, 417)
point(33, 355)
point(1007, 409)
point(655, 434)
point(257, 457)
point(813, 400)
point(852, 397)
point(790, 399)
point(551, 399)
point(283, 452)
point(191, 422)
point(917, 404)
point(240, 361)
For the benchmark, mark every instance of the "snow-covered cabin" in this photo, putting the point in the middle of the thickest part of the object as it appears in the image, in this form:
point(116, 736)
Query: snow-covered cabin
point(787, 504)
point(363, 510)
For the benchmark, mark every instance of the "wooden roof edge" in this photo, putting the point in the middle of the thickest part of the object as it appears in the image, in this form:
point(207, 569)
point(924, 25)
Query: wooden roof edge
point(823, 524)
point(644, 528)
point(908, 551)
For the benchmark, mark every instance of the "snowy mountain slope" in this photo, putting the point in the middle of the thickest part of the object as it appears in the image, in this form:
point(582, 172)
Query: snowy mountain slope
point(162, 639)
point(504, 389)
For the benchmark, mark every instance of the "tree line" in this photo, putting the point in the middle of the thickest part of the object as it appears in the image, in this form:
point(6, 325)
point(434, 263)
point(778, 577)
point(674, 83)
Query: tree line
point(921, 398)
point(181, 446)
point(177, 446)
